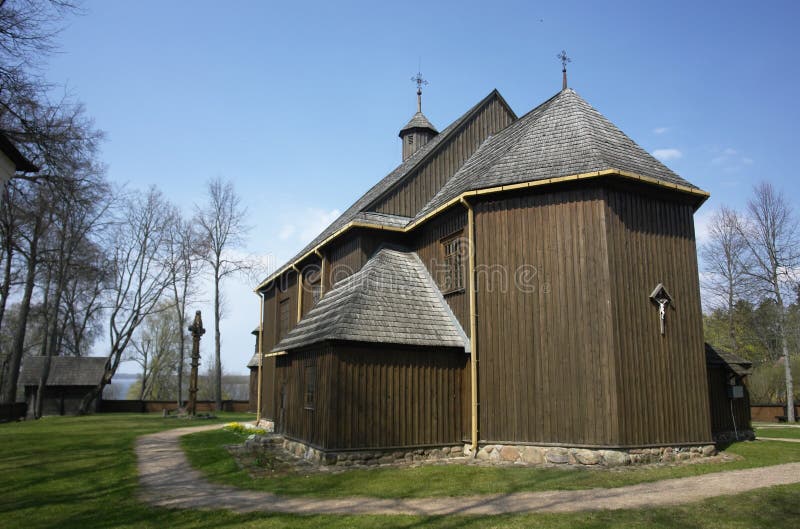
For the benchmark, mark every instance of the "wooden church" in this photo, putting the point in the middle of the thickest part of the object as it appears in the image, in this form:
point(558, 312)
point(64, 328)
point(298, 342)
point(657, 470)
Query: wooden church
point(516, 280)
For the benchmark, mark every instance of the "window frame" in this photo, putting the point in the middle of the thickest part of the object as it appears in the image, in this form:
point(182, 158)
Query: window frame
point(455, 269)
point(309, 385)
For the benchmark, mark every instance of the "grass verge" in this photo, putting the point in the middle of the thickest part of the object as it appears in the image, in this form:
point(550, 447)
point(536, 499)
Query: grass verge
point(80, 473)
point(206, 452)
point(785, 433)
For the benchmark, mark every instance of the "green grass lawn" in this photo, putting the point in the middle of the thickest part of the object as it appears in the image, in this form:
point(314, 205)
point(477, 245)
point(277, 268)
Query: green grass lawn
point(80, 473)
point(206, 452)
point(786, 433)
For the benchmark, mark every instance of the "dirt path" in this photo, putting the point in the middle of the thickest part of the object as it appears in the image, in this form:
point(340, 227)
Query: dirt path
point(169, 481)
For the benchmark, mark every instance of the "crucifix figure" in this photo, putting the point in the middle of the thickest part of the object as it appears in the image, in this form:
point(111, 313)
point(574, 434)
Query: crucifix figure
point(661, 297)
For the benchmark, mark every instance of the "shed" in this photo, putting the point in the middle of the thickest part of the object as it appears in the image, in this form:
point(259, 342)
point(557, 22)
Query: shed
point(728, 395)
point(70, 379)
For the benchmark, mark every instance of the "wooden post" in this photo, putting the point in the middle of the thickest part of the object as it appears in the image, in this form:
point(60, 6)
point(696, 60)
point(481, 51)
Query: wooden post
point(197, 331)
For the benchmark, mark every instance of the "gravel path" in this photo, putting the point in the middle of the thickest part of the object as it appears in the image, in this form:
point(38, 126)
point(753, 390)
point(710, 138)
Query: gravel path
point(168, 480)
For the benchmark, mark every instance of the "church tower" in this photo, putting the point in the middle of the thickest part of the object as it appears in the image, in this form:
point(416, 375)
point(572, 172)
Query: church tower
point(418, 131)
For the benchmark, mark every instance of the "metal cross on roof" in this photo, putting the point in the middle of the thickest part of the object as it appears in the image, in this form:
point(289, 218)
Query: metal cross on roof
point(564, 59)
point(420, 82)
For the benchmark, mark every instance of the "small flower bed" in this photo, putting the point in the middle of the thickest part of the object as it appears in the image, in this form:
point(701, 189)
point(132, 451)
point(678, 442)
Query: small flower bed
point(244, 428)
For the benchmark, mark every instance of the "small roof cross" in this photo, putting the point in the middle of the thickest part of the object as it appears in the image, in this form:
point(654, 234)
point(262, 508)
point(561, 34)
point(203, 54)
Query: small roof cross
point(564, 60)
point(420, 83)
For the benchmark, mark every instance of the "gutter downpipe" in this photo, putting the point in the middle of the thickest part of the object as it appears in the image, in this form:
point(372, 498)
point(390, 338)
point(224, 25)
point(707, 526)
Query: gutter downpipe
point(299, 293)
point(473, 342)
point(260, 355)
point(321, 271)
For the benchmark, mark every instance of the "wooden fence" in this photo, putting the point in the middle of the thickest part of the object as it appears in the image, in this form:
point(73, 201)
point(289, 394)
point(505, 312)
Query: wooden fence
point(771, 412)
point(150, 406)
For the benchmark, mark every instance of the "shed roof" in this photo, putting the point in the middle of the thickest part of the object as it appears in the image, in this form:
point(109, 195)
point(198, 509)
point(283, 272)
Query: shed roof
point(737, 364)
point(392, 299)
point(64, 370)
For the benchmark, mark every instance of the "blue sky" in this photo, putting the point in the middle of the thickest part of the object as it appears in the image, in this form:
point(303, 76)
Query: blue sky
point(299, 103)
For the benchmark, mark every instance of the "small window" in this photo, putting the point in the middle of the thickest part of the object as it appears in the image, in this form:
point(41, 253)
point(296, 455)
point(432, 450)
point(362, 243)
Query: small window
point(283, 324)
point(411, 139)
point(316, 292)
point(311, 386)
point(453, 277)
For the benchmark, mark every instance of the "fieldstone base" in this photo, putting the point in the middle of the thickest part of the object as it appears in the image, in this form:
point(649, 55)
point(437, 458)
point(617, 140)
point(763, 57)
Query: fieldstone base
point(493, 453)
point(555, 455)
point(730, 437)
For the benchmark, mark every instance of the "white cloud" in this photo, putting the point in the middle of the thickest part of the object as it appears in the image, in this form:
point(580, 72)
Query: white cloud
point(667, 154)
point(660, 130)
point(729, 160)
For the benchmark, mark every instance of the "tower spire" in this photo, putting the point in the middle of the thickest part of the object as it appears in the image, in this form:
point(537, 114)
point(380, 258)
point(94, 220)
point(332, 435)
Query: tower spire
point(564, 60)
point(420, 83)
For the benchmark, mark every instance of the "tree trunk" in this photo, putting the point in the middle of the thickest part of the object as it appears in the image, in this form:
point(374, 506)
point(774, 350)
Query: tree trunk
point(787, 366)
point(15, 356)
point(217, 343)
point(5, 288)
point(51, 340)
point(731, 326)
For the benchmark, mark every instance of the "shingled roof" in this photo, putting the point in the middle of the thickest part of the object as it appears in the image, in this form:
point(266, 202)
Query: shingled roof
point(418, 121)
point(735, 363)
point(392, 299)
point(357, 212)
point(64, 370)
point(563, 136)
point(253, 361)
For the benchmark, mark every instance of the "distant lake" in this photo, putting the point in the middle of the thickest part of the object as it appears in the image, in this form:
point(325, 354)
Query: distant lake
point(120, 384)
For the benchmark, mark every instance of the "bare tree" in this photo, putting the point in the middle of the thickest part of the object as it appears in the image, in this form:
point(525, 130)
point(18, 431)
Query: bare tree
point(184, 249)
point(80, 204)
point(221, 221)
point(770, 232)
point(726, 266)
point(28, 243)
point(156, 350)
point(139, 274)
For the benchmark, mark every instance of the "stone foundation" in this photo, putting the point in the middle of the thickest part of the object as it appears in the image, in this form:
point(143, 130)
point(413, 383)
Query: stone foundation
point(555, 455)
point(493, 453)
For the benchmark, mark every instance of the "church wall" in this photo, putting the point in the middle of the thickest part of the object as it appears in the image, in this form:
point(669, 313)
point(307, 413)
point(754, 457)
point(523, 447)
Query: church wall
point(371, 397)
point(661, 380)
point(546, 374)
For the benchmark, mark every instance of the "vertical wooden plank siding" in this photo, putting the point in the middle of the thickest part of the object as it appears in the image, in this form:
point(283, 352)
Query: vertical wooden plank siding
point(389, 396)
point(309, 424)
point(428, 245)
point(661, 382)
point(543, 319)
point(410, 195)
point(377, 397)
